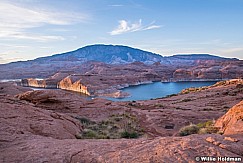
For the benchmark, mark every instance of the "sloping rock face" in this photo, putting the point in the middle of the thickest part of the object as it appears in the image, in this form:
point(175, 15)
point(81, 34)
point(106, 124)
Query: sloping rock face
point(8, 88)
point(232, 121)
point(22, 119)
point(135, 151)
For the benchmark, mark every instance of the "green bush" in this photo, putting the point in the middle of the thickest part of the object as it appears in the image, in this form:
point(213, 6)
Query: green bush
point(129, 135)
point(188, 130)
point(205, 124)
point(208, 130)
point(84, 120)
point(90, 134)
point(111, 128)
point(201, 128)
point(186, 100)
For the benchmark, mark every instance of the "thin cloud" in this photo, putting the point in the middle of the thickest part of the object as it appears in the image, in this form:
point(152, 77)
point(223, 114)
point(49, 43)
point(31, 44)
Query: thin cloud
point(13, 46)
point(126, 27)
point(3, 61)
point(16, 21)
point(232, 50)
point(152, 27)
point(116, 5)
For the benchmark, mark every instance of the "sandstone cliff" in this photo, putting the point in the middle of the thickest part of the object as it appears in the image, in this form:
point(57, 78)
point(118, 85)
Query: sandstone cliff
point(73, 83)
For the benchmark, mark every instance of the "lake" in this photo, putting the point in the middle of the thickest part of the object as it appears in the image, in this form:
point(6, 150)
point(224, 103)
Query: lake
point(159, 89)
point(148, 91)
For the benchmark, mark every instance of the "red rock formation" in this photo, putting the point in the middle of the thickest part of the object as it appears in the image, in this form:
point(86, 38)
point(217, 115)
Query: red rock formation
point(73, 83)
point(21, 119)
point(33, 83)
point(232, 121)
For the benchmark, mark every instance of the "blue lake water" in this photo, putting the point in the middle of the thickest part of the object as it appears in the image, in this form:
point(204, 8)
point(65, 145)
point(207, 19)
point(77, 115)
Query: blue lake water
point(158, 89)
point(148, 91)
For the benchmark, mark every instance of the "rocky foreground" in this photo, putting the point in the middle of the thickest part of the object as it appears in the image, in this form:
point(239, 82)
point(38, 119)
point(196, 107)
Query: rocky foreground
point(42, 126)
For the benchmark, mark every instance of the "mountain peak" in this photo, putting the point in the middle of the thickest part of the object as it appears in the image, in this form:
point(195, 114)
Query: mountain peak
point(111, 54)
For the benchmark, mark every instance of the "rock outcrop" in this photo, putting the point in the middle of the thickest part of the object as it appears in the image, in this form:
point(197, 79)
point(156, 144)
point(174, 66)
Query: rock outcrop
point(232, 122)
point(213, 70)
point(22, 119)
point(74, 83)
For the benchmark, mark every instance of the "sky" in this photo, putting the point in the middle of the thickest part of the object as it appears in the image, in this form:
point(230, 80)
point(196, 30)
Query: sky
point(37, 28)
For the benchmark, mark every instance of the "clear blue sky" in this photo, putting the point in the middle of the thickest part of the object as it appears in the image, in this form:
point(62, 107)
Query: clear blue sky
point(35, 28)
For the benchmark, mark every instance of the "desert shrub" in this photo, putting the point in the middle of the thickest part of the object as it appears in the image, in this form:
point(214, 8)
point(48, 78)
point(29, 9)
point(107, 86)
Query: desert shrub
point(78, 136)
point(158, 105)
point(132, 104)
point(89, 134)
point(200, 128)
point(207, 127)
point(205, 124)
point(188, 130)
point(84, 120)
point(129, 135)
point(202, 131)
point(171, 95)
point(207, 109)
point(208, 130)
point(186, 100)
point(124, 125)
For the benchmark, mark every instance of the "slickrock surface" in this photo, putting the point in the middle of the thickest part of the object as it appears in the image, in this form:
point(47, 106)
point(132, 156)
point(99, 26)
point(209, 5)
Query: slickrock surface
point(12, 88)
point(39, 126)
point(169, 149)
point(20, 118)
point(232, 121)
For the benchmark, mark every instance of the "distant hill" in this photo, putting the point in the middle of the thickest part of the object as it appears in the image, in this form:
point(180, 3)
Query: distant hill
point(198, 57)
point(110, 54)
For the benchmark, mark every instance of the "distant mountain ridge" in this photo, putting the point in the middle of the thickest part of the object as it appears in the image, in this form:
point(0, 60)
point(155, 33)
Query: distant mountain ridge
point(199, 56)
point(111, 54)
point(119, 54)
point(78, 60)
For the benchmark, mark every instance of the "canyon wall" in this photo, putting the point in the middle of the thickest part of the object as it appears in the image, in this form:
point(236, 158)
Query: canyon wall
point(69, 84)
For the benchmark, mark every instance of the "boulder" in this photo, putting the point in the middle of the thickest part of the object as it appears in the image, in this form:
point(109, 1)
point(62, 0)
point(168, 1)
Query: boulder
point(232, 121)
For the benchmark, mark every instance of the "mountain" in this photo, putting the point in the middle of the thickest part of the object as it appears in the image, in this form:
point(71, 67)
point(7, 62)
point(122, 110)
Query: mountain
point(111, 54)
point(198, 57)
point(80, 59)
point(118, 54)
